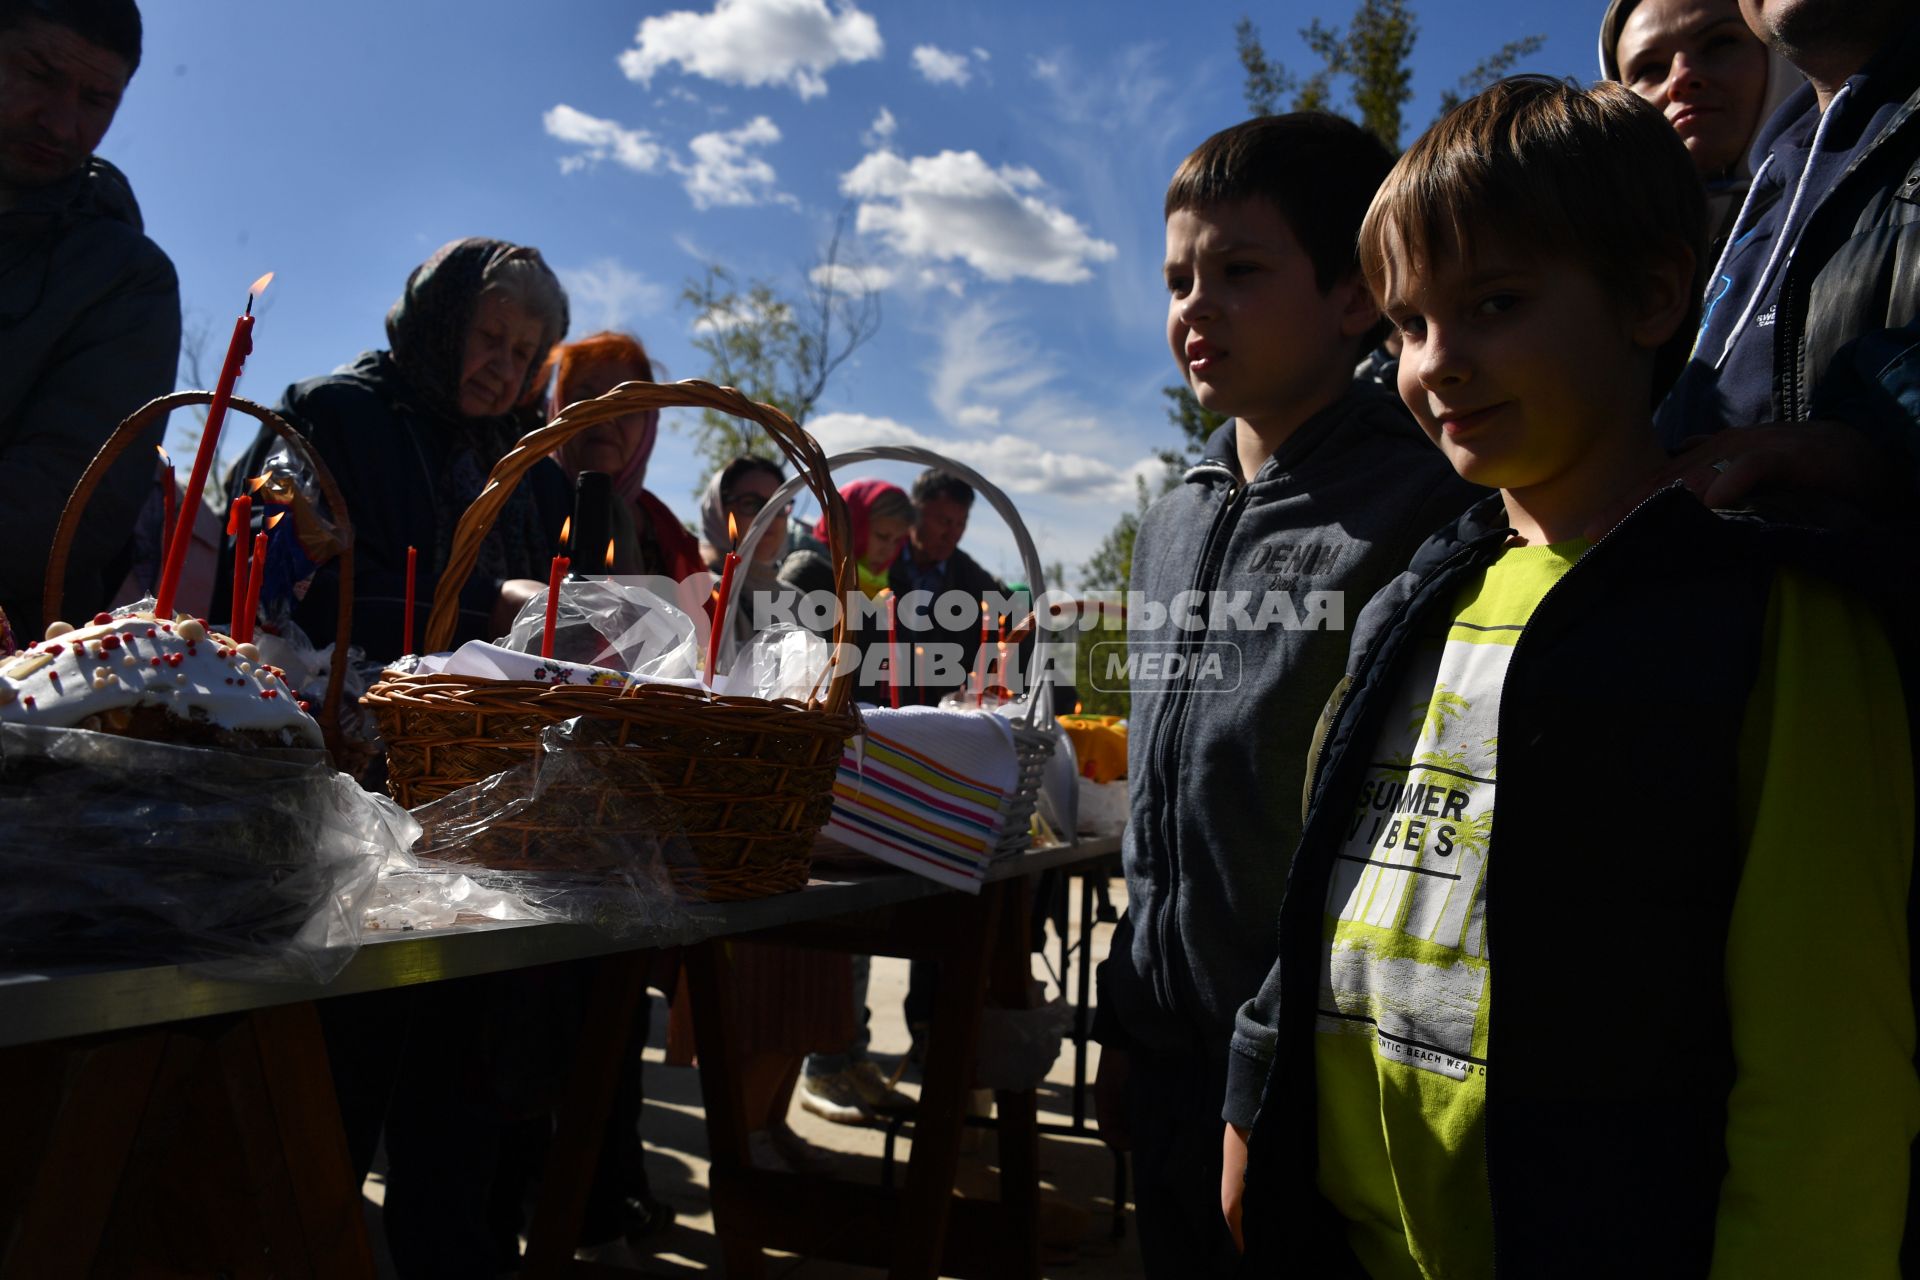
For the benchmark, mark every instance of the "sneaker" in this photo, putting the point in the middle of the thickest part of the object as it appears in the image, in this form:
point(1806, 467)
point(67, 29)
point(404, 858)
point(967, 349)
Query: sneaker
point(834, 1097)
point(875, 1090)
point(763, 1153)
point(800, 1155)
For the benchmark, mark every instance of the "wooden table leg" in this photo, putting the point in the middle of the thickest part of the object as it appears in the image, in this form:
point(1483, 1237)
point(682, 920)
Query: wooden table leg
point(288, 1120)
point(952, 1040)
point(67, 1200)
point(599, 1056)
point(709, 972)
point(1011, 987)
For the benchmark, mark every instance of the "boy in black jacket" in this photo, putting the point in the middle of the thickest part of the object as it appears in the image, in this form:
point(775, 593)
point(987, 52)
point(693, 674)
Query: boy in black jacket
point(1700, 1058)
point(1245, 578)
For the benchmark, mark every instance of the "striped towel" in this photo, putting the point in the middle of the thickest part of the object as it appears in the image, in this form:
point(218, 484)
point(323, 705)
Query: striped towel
point(924, 789)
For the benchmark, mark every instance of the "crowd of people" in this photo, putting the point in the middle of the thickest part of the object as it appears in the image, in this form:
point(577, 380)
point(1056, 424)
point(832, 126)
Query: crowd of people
point(1569, 455)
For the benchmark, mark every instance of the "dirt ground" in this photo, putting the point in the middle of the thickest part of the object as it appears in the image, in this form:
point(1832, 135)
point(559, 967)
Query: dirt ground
point(1077, 1173)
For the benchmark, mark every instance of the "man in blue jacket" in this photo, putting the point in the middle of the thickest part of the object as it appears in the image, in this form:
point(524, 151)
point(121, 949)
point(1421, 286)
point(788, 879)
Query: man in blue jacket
point(1808, 354)
point(89, 307)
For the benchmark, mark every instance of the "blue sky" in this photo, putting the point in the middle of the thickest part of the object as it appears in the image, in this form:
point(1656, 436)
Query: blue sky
point(1005, 163)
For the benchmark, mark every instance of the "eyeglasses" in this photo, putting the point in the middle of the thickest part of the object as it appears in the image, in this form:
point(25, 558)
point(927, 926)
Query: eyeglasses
point(752, 504)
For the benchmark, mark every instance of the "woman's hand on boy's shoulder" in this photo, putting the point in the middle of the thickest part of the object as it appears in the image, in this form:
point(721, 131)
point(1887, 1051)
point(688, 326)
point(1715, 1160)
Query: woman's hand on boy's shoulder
point(1817, 464)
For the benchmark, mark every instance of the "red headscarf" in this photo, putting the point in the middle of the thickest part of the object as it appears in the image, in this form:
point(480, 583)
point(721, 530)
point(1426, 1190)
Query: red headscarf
point(611, 348)
point(860, 497)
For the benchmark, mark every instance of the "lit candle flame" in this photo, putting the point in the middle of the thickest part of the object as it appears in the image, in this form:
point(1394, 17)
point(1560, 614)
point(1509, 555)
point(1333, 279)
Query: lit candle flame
point(609, 555)
point(566, 535)
point(733, 530)
point(253, 485)
point(1076, 708)
point(276, 520)
point(260, 285)
point(165, 461)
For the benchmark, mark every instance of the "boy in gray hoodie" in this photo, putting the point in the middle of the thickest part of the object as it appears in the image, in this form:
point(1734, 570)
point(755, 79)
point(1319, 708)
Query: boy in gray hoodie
point(1244, 579)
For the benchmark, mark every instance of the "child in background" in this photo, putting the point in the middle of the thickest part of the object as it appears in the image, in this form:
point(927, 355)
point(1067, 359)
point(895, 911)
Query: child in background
point(1700, 1060)
point(1302, 506)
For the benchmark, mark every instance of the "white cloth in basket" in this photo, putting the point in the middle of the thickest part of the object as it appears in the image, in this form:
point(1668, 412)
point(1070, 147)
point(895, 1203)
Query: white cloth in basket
point(926, 789)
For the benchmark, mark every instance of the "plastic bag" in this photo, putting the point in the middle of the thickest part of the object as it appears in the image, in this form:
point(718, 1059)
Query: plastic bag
point(580, 833)
point(783, 661)
point(615, 623)
point(1019, 1046)
point(247, 865)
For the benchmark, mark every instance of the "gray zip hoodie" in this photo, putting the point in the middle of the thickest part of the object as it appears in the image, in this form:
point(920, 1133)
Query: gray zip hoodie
point(1224, 707)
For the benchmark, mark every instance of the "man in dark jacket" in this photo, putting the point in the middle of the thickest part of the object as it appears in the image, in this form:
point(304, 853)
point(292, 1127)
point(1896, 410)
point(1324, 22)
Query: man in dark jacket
point(89, 307)
point(931, 561)
point(1809, 331)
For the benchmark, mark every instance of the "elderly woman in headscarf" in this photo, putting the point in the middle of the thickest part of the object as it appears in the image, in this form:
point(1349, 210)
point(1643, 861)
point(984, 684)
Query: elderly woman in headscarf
point(1715, 81)
point(647, 537)
point(411, 432)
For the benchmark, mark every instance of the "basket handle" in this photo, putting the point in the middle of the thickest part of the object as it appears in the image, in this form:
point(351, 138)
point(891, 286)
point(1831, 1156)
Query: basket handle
point(126, 434)
point(1002, 505)
point(806, 456)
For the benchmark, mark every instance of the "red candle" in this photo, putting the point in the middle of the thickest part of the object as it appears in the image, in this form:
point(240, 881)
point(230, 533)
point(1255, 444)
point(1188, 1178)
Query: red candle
point(893, 650)
point(168, 496)
point(555, 573)
point(237, 351)
point(406, 635)
point(980, 666)
point(254, 573)
point(720, 612)
point(239, 527)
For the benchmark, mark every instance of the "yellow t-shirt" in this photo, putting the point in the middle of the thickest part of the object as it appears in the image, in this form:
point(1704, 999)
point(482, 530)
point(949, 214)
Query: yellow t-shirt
point(1826, 1101)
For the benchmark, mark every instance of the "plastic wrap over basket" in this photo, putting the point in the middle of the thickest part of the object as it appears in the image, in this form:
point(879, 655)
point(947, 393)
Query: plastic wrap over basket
point(116, 849)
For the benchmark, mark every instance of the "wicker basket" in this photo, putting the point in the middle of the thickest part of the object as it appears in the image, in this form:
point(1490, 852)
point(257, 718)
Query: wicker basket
point(1034, 732)
point(345, 754)
point(748, 780)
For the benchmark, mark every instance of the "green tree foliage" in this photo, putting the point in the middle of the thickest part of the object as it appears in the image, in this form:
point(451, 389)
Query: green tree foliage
point(1373, 55)
point(777, 348)
point(1195, 422)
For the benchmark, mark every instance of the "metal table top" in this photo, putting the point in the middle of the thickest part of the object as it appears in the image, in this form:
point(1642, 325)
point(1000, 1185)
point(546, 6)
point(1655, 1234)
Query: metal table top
point(76, 1002)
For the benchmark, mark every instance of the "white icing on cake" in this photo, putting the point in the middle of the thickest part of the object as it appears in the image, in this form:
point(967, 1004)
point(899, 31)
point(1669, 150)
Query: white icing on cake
point(180, 666)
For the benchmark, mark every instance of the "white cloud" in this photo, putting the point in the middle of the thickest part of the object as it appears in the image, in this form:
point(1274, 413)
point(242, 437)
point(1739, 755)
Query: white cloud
point(789, 43)
point(602, 140)
point(883, 128)
point(937, 66)
point(981, 54)
point(956, 206)
point(721, 168)
point(983, 360)
point(723, 172)
point(606, 295)
point(1016, 464)
point(853, 277)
